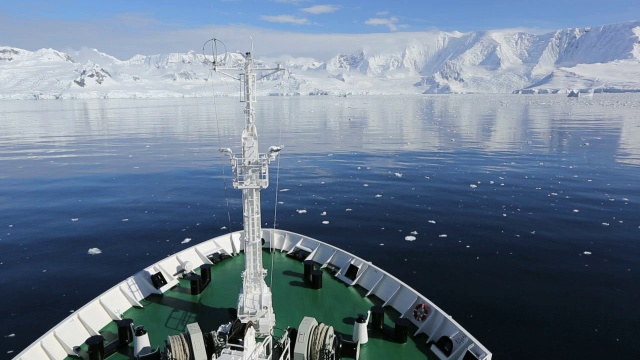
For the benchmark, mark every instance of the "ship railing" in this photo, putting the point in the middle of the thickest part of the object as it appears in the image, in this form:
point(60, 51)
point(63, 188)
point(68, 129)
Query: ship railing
point(251, 174)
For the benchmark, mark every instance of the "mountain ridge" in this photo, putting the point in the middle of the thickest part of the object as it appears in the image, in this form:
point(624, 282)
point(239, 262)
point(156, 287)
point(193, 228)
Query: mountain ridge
point(605, 58)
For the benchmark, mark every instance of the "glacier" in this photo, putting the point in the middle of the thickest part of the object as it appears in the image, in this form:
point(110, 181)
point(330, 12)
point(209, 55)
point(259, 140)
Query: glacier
point(605, 58)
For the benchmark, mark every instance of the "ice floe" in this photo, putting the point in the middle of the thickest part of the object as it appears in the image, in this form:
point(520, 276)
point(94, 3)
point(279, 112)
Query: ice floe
point(398, 174)
point(432, 221)
point(301, 211)
point(324, 213)
point(414, 233)
point(325, 222)
point(410, 238)
point(587, 252)
point(186, 240)
point(378, 195)
point(284, 190)
point(94, 251)
point(473, 186)
point(442, 235)
point(74, 219)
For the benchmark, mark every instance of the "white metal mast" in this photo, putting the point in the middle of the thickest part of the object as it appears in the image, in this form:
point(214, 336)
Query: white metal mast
point(251, 174)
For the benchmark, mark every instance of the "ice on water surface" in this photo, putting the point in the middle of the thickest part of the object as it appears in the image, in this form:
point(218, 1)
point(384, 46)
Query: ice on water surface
point(94, 251)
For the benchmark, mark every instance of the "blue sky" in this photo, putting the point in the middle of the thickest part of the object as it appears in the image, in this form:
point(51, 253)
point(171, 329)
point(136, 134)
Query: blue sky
point(112, 25)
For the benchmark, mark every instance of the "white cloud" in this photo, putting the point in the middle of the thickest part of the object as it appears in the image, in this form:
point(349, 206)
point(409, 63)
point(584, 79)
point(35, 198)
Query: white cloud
point(390, 22)
point(288, 19)
point(320, 9)
point(112, 36)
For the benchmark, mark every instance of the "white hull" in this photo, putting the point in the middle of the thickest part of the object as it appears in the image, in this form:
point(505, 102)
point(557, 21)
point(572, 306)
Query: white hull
point(58, 343)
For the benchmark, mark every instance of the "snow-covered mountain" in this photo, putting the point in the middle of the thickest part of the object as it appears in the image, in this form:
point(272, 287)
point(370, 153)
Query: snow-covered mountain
point(604, 58)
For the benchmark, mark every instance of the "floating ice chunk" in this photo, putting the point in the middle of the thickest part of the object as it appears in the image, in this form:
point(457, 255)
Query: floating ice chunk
point(94, 251)
point(10, 226)
point(473, 186)
point(10, 335)
point(381, 244)
point(347, 209)
point(442, 235)
point(398, 174)
point(325, 222)
point(301, 211)
point(414, 233)
point(324, 213)
point(223, 228)
point(284, 190)
point(587, 252)
point(365, 185)
point(410, 238)
point(125, 220)
point(186, 240)
point(432, 221)
point(378, 195)
point(491, 182)
point(605, 223)
point(625, 199)
point(576, 210)
point(468, 246)
point(74, 219)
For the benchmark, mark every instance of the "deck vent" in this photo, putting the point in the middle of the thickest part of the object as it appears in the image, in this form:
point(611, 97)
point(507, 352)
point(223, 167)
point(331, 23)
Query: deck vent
point(217, 257)
point(445, 344)
point(158, 280)
point(308, 268)
point(96, 347)
point(401, 331)
point(352, 272)
point(316, 279)
point(377, 316)
point(299, 254)
point(347, 349)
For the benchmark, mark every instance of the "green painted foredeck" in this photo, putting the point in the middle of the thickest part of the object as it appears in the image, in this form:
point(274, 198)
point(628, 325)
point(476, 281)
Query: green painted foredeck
point(336, 304)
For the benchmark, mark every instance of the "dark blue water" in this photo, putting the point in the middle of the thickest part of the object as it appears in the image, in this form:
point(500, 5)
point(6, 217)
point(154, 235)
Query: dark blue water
point(526, 208)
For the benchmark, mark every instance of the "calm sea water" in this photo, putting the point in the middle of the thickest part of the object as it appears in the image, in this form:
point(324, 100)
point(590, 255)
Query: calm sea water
point(525, 209)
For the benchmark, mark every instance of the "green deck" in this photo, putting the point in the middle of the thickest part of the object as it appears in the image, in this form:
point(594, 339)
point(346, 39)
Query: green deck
point(336, 304)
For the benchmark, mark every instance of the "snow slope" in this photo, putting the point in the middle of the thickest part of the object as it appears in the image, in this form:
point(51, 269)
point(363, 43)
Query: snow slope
point(604, 58)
